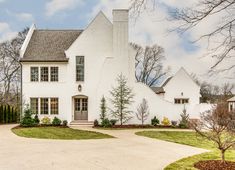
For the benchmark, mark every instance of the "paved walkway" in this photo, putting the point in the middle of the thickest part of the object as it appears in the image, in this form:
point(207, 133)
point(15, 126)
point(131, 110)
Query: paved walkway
point(125, 152)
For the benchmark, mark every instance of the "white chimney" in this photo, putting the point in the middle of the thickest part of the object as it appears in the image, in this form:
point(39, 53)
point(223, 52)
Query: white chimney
point(120, 33)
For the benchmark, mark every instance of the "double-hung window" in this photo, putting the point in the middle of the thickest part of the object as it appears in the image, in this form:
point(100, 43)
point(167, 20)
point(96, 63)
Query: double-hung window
point(34, 73)
point(79, 68)
point(34, 105)
point(54, 106)
point(54, 73)
point(44, 73)
point(44, 102)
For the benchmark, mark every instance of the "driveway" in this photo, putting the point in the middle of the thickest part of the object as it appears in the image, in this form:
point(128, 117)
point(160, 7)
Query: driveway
point(125, 152)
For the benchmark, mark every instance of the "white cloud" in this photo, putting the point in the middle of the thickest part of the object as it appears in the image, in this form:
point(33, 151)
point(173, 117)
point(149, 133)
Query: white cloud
point(55, 6)
point(21, 16)
point(5, 32)
point(25, 16)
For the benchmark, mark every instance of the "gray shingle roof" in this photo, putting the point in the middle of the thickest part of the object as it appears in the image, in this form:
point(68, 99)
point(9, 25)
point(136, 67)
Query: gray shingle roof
point(167, 80)
point(158, 90)
point(49, 45)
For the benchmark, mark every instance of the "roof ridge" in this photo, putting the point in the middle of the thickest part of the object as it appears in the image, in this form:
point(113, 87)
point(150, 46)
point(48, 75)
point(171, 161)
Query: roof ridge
point(59, 30)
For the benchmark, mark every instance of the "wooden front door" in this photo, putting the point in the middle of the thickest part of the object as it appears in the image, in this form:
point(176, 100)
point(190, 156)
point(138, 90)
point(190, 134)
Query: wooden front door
point(81, 108)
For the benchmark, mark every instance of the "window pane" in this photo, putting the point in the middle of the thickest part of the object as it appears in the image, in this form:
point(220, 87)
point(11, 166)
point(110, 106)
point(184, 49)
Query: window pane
point(44, 73)
point(34, 73)
point(44, 105)
point(77, 104)
point(34, 105)
point(79, 68)
point(54, 74)
point(84, 104)
point(54, 106)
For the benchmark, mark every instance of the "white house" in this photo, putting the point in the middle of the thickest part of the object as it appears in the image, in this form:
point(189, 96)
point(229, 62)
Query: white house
point(231, 103)
point(66, 72)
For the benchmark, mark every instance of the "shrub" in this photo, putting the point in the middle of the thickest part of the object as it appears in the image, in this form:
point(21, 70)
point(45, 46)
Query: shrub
point(36, 119)
point(27, 120)
point(96, 123)
point(65, 122)
point(103, 109)
point(46, 121)
point(174, 123)
point(113, 122)
point(155, 121)
point(165, 121)
point(56, 121)
point(105, 123)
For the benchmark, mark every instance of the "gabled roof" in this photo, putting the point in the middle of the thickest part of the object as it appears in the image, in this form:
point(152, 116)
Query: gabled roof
point(158, 90)
point(49, 45)
point(167, 80)
point(231, 99)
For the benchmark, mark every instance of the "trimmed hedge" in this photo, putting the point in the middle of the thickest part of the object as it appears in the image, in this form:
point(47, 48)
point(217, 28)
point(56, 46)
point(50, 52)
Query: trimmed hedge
point(8, 114)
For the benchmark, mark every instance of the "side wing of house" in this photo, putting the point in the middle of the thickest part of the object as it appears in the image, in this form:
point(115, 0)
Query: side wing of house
point(181, 89)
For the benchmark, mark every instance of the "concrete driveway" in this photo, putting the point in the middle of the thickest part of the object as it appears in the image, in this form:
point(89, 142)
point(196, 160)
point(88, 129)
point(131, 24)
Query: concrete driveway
point(125, 152)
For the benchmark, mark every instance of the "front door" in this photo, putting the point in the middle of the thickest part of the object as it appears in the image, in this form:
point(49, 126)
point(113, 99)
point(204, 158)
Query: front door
point(81, 108)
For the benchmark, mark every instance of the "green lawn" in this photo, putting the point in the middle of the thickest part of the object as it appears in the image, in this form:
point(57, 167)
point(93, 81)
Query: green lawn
point(58, 133)
point(188, 138)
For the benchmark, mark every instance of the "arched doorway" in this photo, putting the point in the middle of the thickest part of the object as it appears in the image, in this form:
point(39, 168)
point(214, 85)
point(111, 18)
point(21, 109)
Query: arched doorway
point(80, 107)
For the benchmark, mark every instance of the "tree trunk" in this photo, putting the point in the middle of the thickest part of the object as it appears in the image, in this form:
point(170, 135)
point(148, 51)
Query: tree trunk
point(223, 155)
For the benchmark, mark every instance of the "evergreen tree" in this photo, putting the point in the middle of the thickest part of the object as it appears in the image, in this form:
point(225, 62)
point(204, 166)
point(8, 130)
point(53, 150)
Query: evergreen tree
point(9, 114)
point(121, 98)
point(103, 109)
point(4, 114)
point(1, 114)
point(184, 119)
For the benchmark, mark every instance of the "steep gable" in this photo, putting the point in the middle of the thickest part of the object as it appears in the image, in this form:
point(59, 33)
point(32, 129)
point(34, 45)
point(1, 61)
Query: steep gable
point(181, 75)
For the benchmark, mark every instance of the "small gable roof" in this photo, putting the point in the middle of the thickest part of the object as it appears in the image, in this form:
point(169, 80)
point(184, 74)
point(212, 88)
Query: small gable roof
point(158, 90)
point(231, 99)
point(49, 45)
point(165, 82)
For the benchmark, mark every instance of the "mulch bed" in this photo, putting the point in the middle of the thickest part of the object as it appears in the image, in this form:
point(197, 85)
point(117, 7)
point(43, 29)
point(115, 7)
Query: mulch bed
point(215, 165)
point(39, 126)
point(131, 126)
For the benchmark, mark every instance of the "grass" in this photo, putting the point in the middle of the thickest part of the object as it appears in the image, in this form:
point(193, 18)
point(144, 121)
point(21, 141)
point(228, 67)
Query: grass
point(191, 139)
point(58, 133)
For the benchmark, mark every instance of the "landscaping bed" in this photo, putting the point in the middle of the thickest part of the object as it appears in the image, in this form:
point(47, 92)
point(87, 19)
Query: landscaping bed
point(135, 126)
point(57, 132)
point(214, 165)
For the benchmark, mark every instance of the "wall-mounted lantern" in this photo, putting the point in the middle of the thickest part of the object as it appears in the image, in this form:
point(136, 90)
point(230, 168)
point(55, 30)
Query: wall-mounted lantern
point(79, 87)
point(182, 93)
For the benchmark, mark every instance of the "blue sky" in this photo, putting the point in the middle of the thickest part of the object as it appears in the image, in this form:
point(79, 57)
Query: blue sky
point(150, 28)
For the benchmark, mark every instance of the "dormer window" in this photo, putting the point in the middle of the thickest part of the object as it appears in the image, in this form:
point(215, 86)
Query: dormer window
point(79, 68)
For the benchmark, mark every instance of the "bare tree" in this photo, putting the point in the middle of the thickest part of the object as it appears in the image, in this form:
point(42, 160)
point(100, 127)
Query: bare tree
point(217, 125)
point(223, 33)
point(10, 67)
point(213, 93)
point(143, 111)
point(149, 66)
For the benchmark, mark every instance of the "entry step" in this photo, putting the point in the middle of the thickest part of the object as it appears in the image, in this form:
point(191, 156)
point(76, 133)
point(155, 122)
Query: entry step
point(81, 123)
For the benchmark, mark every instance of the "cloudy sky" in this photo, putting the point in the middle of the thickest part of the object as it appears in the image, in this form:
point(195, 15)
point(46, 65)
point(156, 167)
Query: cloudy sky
point(150, 28)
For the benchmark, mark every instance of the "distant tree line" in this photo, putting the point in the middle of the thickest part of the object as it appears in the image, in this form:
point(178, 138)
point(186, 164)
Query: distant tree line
point(8, 114)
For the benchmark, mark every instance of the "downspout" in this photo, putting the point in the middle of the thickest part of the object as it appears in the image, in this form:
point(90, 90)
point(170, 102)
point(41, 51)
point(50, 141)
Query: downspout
point(21, 90)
